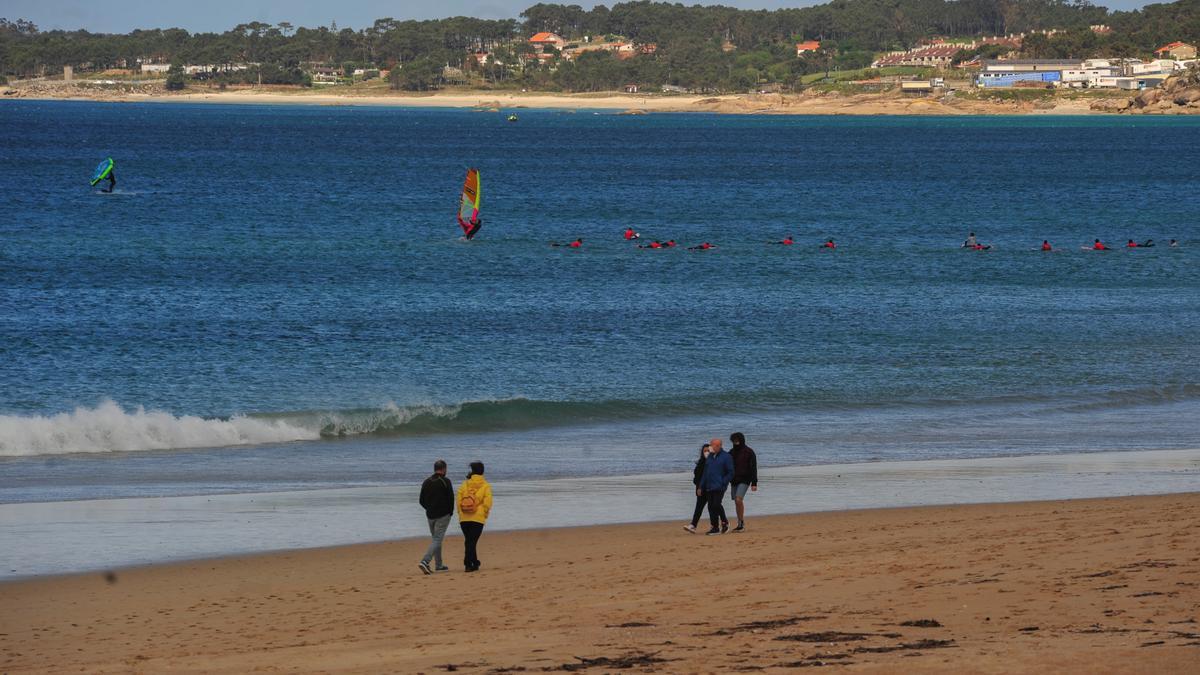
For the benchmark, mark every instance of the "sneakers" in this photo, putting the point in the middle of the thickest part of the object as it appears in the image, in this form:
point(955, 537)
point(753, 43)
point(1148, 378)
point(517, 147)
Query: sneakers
point(712, 532)
point(441, 568)
point(740, 528)
point(724, 527)
point(690, 528)
point(424, 565)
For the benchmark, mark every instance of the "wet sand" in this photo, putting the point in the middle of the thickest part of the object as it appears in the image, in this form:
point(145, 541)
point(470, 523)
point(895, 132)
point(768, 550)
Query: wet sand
point(1100, 585)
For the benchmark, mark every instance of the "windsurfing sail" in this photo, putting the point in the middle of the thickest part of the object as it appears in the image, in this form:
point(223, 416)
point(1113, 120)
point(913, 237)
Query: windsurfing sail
point(102, 170)
point(468, 208)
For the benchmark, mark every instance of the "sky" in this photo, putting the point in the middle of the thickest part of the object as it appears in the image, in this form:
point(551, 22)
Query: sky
point(122, 16)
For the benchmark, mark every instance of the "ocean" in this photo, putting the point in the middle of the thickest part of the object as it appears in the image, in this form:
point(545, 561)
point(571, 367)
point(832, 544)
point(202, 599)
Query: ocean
point(276, 298)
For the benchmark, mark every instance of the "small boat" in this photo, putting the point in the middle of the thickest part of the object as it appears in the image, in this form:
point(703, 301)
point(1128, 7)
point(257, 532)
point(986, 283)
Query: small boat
point(512, 117)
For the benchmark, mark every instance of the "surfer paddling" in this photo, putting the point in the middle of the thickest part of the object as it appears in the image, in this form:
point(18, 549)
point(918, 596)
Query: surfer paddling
point(578, 243)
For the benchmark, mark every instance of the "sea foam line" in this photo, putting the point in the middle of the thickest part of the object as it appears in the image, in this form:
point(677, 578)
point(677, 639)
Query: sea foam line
point(109, 428)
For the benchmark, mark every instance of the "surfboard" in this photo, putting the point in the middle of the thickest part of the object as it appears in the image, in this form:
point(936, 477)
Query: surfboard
point(102, 170)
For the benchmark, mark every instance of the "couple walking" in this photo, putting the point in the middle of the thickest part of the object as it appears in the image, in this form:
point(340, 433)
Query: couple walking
point(474, 503)
point(715, 471)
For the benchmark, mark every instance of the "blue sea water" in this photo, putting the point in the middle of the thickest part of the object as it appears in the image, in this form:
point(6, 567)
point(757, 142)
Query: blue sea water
point(276, 297)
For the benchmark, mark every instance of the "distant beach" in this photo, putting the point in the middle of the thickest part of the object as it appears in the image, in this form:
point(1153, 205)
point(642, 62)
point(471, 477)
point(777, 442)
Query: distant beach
point(812, 103)
point(1065, 586)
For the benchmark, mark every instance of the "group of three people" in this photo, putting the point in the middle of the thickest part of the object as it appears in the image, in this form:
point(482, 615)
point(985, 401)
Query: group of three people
point(717, 470)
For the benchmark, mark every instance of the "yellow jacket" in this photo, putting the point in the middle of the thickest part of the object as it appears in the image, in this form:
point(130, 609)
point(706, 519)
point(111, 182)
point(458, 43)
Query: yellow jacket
point(477, 486)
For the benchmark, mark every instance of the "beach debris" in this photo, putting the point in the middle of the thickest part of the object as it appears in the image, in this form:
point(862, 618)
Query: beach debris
point(923, 623)
point(1028, 629)
point(629, 624)
point(1113, 588)
point(1146, 594)
point(830, 636)
point(631, 660)
point(907, 646)
point(776, 623)
point(1153, 643)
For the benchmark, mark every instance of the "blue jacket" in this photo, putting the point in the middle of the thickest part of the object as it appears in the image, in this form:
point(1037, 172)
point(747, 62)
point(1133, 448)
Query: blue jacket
point(718, 471)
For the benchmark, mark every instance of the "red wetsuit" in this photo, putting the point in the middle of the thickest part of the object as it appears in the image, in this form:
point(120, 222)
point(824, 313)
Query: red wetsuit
point(1046, 246)
point(578, 243)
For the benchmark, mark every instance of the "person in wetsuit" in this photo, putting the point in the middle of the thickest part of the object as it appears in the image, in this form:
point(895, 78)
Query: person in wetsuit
point(578, 243)
point(630, 235)
point(1046, 245)
point(112, 180)
point(786, 241)
point(702, 247)
point(1099, 246)
point(470, 228)
point(829, 243)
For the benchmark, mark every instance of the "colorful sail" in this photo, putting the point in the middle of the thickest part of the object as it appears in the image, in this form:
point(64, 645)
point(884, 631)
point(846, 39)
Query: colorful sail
point(468, 209)
point(102, 170)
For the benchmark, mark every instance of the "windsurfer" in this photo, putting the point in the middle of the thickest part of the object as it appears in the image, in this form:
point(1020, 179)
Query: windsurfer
point(112, 180)
point(470, 228)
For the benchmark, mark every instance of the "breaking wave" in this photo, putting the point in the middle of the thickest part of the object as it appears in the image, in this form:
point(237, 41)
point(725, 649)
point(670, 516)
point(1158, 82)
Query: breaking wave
point(110, 428)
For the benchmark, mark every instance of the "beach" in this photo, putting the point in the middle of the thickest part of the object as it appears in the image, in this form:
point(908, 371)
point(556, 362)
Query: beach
point(811, 102)
point(1101, 585)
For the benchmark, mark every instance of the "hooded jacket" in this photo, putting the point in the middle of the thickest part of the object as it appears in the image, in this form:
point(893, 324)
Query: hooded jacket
point(479, 487)
point(745, 465)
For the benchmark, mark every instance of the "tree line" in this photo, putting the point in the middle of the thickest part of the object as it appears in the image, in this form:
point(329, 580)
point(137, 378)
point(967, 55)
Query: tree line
point(697, 47)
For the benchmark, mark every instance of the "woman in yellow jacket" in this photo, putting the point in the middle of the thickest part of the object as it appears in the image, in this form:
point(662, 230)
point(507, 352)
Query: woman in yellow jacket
point(474, 505)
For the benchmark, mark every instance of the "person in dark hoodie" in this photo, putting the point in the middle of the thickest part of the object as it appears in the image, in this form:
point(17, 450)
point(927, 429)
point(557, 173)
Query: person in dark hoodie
point(745, 475)
point(437, 497)
point(718, 471)
point(701, 498)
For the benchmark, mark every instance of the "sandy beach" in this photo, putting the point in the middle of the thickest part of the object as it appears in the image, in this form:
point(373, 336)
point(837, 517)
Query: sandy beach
point(1102, 585)
point(809, 103)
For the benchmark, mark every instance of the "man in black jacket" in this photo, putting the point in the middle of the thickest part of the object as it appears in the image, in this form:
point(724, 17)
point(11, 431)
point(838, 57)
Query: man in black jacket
point(437, 496)
point(745, 475)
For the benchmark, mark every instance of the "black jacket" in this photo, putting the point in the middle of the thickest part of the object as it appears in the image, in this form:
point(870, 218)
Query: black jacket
point(745, 465)
point(698, 471)
point(437, 496)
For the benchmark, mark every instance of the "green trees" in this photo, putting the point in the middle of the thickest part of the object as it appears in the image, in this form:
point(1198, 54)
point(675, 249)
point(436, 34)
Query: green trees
point(176, 79)
point(705, 47)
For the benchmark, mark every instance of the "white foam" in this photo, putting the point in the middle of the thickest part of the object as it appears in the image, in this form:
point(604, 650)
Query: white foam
point(109, 428)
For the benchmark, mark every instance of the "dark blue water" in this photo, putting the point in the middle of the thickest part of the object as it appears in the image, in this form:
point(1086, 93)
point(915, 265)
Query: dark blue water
point(283, 291)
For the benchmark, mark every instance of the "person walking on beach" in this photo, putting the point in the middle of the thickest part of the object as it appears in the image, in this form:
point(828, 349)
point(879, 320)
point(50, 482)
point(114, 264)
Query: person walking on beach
point(718, 471)
point(745, 475)
point(474, 505)
point(701, 498)
point(437, 497)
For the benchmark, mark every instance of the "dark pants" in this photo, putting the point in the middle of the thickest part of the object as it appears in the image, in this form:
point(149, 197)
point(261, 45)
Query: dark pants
point(716, 507)
point(701, 500)
point(471, 532)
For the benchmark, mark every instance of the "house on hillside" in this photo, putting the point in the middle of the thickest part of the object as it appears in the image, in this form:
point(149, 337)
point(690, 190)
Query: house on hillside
point(806, 47)
point(542, 40)
point(1180, 51)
